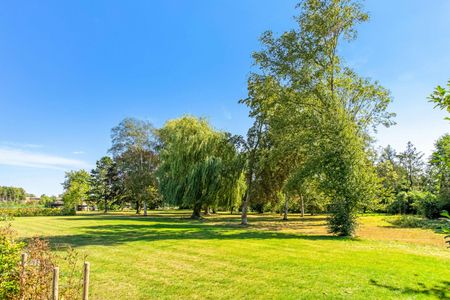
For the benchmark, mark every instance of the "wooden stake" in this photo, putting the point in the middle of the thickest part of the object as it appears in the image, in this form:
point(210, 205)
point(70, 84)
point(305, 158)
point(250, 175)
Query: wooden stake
point(86, 281)
point(22, 276)
point(55, 285)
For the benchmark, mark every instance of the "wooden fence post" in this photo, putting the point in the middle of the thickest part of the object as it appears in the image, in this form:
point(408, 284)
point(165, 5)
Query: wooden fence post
point(22, 276)
point(55, 286)
point(86, 281)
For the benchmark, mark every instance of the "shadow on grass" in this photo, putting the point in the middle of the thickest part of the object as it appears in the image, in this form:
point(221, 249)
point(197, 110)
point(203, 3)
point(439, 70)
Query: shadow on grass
point(135, 229)
point(440, 290)
point(186, 216)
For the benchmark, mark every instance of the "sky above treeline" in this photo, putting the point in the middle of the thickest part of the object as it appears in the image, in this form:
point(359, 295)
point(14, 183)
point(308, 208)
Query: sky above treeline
point(71, 70)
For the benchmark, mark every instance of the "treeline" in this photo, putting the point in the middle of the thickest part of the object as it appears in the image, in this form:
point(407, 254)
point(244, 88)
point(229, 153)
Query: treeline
point(412, 185)
point(10, 193)
point(310, 146)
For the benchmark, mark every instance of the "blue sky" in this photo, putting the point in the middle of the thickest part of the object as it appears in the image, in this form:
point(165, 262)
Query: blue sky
point(71, 70)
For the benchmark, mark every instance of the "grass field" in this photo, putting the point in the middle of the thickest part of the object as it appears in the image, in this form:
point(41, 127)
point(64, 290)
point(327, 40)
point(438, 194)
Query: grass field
point(166, 255)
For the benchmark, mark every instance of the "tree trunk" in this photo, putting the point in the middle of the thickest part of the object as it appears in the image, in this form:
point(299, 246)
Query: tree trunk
point(285, 215)
point(244, 220)
point(303, 205)
point(206, 210)
point(145, 208)
point(106, 206)
point(196, 212)
point(231, 210)
point(138, 208)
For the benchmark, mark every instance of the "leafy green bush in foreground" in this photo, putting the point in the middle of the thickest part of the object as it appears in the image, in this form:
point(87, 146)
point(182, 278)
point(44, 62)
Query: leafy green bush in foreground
point(10, 250)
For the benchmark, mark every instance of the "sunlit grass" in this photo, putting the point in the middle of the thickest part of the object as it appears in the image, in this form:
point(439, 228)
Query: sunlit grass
point(167, 255)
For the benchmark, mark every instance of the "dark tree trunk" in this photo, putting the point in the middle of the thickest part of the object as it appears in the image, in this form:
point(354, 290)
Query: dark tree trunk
point(138, 208)
point(244, 220)
point(206, 210)
point(303, 205)
point(106, 206)
point(285, 215)
point(196, 212)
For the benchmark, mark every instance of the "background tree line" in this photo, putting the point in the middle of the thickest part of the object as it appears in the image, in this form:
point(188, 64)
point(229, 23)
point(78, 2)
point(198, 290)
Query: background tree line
point(10, 193)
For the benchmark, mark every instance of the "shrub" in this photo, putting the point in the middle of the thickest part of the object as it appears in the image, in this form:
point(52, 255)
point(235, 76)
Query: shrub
point(10, 250)
point(429, 206)
point(34, 280)
point(342, 221)
point(416, 202)
point(38, 271)
point(409, 222)
point(31, 212)
point(446, 227)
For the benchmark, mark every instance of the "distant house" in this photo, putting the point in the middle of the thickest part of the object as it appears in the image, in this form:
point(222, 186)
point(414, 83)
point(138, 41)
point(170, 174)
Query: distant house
point(57, 204)
point(83, 206)
point(29, 199)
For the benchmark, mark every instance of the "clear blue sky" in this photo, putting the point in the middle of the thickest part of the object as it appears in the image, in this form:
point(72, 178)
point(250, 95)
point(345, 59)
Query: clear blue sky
point(71, 70)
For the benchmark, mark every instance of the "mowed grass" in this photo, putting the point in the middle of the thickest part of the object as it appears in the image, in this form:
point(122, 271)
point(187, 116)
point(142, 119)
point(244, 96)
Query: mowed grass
point(168, 256)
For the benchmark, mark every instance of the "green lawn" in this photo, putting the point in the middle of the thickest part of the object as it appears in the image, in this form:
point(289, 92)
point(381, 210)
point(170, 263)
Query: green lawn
point(167, 255)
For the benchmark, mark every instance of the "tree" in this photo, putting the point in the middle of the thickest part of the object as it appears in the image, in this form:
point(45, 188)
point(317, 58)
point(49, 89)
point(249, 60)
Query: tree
point(133, 148)
point(411, 161)
point(440, 163)
point(104, 182)
point(76, 189)
point(252, 148)
point(10, 193)
point(441, 97)
point(233, 184)
point(323, 110)
point(194, 163)
point(47, 200)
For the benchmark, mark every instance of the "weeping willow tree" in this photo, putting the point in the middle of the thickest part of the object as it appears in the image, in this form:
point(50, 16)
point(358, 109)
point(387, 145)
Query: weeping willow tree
point(199, 166)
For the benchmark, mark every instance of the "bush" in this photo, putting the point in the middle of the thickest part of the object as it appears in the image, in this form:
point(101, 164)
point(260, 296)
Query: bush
point(406, 221)
point(446, 227)
point(34, 280)
point(10, 251)
point(31, 212)
point(416, 202)
point(342, 221)
point(429, 206)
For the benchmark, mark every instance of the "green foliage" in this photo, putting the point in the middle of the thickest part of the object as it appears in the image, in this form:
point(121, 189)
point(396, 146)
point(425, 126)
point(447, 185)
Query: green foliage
point(133, 148)
point(441, 97)
point(446, 227)
point(46, 201)
point(105, 184)
point(76, 190)
point(412, 163)
point(413, 202)
point(319, 111)
point(199, 166)
point(409, 221)
point(440, 170)
point(10, 250)
point(19, 204)
point(10, 193)
point(34, 212)
point(429, 206)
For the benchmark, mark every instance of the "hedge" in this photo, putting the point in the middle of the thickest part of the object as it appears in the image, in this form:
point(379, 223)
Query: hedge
point(31, 212)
